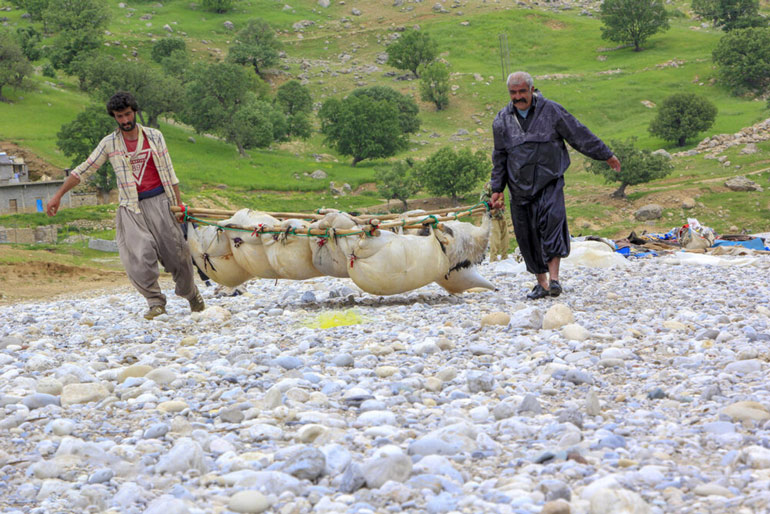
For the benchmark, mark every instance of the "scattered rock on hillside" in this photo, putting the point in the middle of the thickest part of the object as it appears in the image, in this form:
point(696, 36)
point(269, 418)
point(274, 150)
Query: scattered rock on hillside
point(750, 148)
point(651, 211)
point(324, 3)
point(741, 183)
point(318, 174)
point(688, 203)
point(663, 153)
point(228, 25)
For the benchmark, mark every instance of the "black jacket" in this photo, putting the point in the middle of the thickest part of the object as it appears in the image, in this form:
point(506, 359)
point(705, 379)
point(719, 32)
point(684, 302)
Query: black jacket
point(527, 161)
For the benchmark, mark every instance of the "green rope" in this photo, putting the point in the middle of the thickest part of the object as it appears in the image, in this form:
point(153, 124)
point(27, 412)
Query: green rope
point(433, 217)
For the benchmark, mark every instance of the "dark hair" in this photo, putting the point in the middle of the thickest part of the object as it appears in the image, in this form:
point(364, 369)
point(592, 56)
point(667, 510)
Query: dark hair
point(120, 101)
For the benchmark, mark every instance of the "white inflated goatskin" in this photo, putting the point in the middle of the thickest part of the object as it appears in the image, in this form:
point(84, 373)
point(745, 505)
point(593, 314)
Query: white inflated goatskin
point(288, 252)
point(461, 279)
point(210, 248)
point(465, 245)
point(331, 254)
point(392, 263)
point(247, 247)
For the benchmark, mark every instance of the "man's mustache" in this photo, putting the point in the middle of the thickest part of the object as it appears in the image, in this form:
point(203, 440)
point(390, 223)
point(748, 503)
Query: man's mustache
point(520, 101)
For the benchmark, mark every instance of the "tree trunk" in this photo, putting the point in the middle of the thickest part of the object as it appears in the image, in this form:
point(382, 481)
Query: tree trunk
point(682, 140)
point(356, 160)
point(406, 206)
point(637, 48)
point(454, 199)
point(241, 150)
point(620, 192)
point(152, 120)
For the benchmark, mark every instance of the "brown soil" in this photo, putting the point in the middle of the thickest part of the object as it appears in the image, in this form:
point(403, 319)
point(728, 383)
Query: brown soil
point(24, 281)
point(37, 166)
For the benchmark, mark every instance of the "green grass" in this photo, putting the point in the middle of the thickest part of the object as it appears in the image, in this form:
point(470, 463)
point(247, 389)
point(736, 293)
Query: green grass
point(63, 217)
point(544, 42)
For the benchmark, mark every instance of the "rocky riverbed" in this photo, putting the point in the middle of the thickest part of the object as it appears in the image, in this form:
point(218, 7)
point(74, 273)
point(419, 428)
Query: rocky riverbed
point(643, 387)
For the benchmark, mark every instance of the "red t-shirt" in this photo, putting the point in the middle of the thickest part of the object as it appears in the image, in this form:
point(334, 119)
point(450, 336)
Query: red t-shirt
point(143, 166)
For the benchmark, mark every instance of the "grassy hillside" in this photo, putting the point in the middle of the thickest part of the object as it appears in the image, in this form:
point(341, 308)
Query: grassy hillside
point(604, 86)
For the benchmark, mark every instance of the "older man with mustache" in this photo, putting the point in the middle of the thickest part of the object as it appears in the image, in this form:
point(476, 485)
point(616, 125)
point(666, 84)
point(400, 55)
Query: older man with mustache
point(530, 158)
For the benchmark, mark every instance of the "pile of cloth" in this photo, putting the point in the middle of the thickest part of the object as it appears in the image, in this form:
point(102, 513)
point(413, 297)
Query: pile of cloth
point(690, 237)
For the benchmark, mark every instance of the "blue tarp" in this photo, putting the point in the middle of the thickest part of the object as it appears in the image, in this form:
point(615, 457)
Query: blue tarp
point(754, 244)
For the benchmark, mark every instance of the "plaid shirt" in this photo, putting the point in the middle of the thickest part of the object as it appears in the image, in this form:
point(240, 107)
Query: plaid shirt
point(113, 147)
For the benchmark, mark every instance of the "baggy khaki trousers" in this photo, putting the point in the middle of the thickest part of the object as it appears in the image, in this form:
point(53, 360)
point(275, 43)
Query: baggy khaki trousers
point(151, 236)
point(498, 239)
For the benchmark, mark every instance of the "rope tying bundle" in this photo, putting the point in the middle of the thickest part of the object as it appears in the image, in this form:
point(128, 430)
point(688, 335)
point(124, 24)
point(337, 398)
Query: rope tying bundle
point(369, 228)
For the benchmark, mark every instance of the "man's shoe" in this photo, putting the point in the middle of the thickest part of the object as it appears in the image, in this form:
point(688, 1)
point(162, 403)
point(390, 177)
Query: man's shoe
point(196, 302)
point(538, 292)
point(554, 288)
point(154, 311)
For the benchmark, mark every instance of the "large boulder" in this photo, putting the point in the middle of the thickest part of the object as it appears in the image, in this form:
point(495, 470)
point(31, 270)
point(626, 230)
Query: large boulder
point(741, 183)
point(652, 211)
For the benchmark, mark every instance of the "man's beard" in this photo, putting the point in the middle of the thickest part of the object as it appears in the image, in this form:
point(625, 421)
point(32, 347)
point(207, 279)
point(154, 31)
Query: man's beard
point(127, 127)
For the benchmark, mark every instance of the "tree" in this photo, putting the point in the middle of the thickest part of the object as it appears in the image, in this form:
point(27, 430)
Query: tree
point(155, 92)
point(398, 182)
point(218, 6)
point(255, 45)
point(743, 59)
point(434, 84)
point(79, 25)
point(297, 104)
point(29, 41)
point(165, 47)
point(682, 116)
point(35, 9)
point(639, 166)
point(256, 124)
point(730, 14)
point(14, 67)
point(450, 173)
point(406, 106)
point(411, 50)
point(78, 138)
point(632, 21)
point(222, 99)
point(362, 127)
point(176, 65)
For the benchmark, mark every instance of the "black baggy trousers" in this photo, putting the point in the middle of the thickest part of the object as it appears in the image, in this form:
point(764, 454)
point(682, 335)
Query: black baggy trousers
point(540, 225)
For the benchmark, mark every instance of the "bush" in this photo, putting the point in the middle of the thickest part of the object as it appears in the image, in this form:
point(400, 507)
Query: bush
point(165, 47)
point(743, 59)
point(450, 173)
point(255, 45)
point(406, 106)
point(362, 128)
point(434, 84)
point(632, 21)
point(682, 116)
point(411, 50)
point(49, 71)
point(218, 6)
point(14, 67)
point(78, 138)
point(637, 166)
point(730, 14)
point(398, 182)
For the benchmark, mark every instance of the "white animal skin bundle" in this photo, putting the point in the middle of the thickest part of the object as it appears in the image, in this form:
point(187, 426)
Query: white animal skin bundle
point(250, 244)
